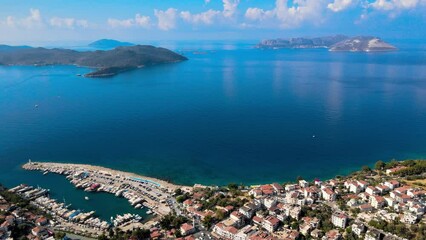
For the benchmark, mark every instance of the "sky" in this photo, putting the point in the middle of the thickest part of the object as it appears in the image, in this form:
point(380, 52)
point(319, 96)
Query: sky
point(32, 21)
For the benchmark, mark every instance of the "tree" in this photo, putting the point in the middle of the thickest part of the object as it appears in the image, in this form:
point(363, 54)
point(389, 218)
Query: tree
point(299, 178)
point(295, 225)
point(232, 186)
point(366, 169)
point(380, 165)
point(208, 221)
point(59, 235)
point(178, 192)
point(141, 233)
point(220, 215)
point(102, 237)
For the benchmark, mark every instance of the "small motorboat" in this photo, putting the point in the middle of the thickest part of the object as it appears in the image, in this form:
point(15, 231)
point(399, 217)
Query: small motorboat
point(86, 198)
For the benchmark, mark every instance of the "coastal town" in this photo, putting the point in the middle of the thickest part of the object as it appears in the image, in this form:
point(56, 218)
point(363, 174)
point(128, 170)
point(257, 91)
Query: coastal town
point(387, 202)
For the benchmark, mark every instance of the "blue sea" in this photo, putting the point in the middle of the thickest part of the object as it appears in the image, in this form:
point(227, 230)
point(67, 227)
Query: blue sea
point(231, 113)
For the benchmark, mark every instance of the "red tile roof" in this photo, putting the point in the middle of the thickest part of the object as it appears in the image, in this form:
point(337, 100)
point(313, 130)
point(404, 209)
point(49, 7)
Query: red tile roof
point(186, 227)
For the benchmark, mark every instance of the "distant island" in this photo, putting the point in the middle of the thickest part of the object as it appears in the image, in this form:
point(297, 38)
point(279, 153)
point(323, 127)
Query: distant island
point(333, 43)
point(107, 63)
point(363, 44)
point(109, 44)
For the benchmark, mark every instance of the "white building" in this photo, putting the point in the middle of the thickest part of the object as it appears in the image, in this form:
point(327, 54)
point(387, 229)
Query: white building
point(303, 183)
point(339, 220)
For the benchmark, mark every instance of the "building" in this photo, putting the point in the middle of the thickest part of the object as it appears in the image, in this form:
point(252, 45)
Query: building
point(392, 184)
point(372, 235)
point(383, 189)
point(246, 211)
point(377, 201)
point(339, 220)
point(40, 232)
point(358, 228)
point(42, 221)
point(270, 223)
point(225, 232)
point(328, 194)
point(269, 202)
point(354, 187)
point(257, 220)
point(186, 229)
point(372, 190)
point(332, 235)
point(303, 183)
point(278, 188)
point(410, 218)
point(394, 170)
point(245, 233)
point(238, 219)
point(366, 208)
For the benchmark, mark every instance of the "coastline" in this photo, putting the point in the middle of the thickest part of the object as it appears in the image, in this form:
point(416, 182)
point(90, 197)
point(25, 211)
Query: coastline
point(174, 205)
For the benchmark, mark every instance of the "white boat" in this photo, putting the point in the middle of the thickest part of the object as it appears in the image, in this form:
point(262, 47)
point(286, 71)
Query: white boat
point(86, 198)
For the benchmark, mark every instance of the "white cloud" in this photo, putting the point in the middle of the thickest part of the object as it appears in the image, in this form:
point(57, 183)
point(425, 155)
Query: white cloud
point(116, 23)
point(166, 19)
point(206, 17)
point(138, 20)
point(290, 16)
point(10, 21)
point(142, 21)
point(340, 5)
point(258, 14)
point(210, 16)
point(388, 5)
point(391, 7)
point(62, 22)
point(33, 20)
point(70, 23)
point(230, 7)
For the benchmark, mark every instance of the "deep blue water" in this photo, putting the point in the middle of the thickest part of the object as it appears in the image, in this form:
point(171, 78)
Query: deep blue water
point(235, 114)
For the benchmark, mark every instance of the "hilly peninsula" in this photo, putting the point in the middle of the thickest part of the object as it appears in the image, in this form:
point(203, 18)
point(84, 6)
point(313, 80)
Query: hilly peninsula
point(333, 43)
point(106, 63)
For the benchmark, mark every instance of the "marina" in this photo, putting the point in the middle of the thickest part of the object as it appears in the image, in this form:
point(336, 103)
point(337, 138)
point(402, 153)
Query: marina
point(65, 218)
point(142, 193)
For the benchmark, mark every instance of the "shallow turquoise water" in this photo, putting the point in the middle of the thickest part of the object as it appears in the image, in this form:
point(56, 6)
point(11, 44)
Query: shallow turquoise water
point(232, 115)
